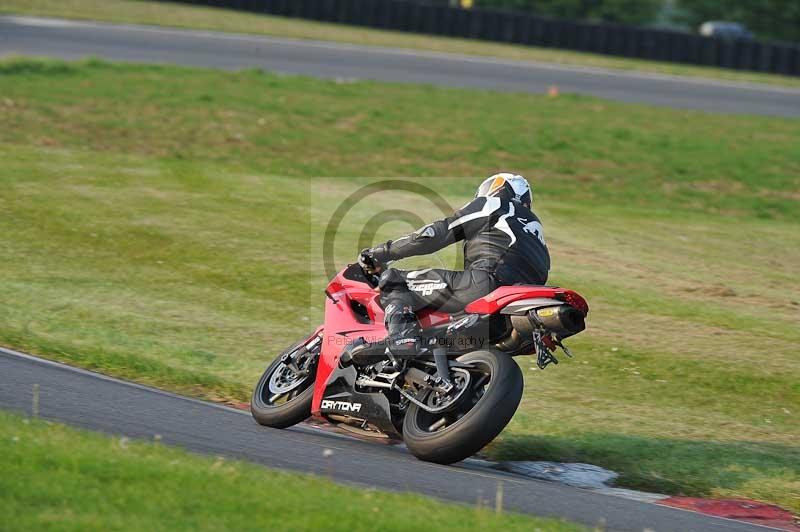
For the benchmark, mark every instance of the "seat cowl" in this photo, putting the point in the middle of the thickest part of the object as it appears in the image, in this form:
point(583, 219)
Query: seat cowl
point(504, 295)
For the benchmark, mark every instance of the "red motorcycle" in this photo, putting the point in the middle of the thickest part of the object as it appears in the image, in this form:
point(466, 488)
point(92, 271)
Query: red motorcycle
point(445, 403)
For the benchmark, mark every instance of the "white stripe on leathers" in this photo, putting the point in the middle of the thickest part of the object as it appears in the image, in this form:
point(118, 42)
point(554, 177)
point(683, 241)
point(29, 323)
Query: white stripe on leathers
point(491, 205)
point(502, 224)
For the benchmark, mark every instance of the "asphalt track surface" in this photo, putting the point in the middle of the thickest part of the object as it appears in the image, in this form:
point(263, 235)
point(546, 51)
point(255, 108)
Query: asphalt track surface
point(92, 401)
point(74, 40)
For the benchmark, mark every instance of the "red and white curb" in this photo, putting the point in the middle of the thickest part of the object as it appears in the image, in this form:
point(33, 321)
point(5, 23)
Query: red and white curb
point(758, 513)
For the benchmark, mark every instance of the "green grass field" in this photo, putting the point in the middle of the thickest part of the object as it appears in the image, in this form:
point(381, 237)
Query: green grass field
point(163, 225)
point(55, 478)
point(195, 17)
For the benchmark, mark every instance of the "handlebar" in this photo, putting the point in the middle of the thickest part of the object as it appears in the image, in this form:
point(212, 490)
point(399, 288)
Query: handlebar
point(372, 279)
point(368, 261)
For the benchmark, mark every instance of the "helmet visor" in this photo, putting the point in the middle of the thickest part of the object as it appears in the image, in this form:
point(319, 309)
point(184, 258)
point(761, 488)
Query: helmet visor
point(490, 187)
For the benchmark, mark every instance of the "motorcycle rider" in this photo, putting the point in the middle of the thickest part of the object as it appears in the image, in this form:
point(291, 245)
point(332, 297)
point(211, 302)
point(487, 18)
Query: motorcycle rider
point(504, 245)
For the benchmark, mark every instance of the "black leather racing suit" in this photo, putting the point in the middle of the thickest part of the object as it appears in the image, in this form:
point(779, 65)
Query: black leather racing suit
point(504, 245)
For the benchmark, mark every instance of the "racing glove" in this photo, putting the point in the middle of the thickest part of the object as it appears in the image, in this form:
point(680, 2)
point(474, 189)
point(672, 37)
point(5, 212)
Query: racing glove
point(373, 260)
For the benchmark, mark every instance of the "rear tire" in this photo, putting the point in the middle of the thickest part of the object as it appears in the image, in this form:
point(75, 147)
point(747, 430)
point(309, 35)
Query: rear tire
point(296, 409)
point(480, 425)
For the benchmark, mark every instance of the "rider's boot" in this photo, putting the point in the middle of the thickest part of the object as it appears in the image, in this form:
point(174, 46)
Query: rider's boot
point(404, 331)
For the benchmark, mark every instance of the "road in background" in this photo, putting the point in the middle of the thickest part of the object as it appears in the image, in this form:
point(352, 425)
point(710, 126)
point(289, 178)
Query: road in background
point(96, 402)
point(73, 40)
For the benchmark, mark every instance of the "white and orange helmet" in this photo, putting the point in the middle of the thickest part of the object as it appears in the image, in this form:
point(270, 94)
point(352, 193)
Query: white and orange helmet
point(514, 187)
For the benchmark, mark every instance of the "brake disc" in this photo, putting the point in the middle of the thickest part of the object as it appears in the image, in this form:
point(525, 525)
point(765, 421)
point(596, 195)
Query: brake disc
point(439, 402)
point(284, 379)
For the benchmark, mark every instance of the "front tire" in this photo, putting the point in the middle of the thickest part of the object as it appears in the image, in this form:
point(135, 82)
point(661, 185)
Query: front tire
point(280, 402)
point(453, 436)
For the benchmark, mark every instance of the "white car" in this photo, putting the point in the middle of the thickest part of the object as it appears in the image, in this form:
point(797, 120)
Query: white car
point(726, 30)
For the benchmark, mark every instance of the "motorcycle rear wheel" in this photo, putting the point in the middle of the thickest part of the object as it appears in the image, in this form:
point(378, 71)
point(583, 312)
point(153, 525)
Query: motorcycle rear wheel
point(453, 436)
point(281, 399)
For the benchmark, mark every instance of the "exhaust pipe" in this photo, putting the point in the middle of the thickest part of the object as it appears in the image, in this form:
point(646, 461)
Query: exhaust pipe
point(561, 320)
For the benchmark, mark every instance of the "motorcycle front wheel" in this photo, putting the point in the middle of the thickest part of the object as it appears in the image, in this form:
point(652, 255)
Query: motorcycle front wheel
point(495, 390)
point(282, 397)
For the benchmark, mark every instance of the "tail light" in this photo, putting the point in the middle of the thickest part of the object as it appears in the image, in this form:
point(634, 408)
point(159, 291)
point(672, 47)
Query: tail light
point(571, 298)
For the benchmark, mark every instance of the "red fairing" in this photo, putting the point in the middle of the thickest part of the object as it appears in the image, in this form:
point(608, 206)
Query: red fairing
point(504, 295)
point(343, 326)
point(432, 318)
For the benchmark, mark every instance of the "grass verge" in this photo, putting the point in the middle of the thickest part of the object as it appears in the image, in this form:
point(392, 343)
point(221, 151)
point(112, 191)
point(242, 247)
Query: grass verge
point(56, 478)
point(194, 17)
point(171, 236)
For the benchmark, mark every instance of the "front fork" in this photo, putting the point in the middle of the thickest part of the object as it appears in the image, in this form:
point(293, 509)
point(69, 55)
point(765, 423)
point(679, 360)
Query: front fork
point(290, 359)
